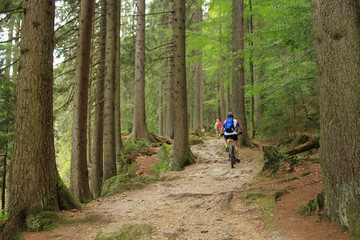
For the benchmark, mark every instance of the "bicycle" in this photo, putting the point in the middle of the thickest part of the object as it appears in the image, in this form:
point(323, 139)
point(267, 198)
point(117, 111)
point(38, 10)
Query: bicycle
point(232, 155)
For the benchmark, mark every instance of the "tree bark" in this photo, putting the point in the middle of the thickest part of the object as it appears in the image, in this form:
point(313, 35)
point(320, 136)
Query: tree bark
point(251, 65)
point(337, 41)
point(238, 75)
point(181, 138)
point(109, 92)
point(198, 78)
point(259, 110)
point(170, 78)
point(161, 115)
point(33, 186)
point(222, 80)
point(79, 179)
point(118, 141)
point(139, 130)
point(97, 161)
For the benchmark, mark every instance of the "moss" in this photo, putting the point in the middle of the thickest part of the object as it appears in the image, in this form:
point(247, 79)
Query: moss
point(255, 196)
point(125, 182)
point(125, 231)
point(355, 222)
point(36, 222)
point(66, 200)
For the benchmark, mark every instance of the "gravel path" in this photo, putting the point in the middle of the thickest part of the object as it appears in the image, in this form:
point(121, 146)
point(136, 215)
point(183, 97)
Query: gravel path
point(200, 202)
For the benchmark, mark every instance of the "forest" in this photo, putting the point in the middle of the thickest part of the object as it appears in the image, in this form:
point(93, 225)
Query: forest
point(82, 81)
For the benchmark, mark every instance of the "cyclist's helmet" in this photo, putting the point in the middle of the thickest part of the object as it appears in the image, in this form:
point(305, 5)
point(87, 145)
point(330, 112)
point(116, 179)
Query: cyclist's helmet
point(230, 115)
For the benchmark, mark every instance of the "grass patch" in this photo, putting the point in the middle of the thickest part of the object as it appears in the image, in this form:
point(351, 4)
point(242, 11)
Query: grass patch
point(255, 196)
point(266, 205)
point(308, 208)
point(174, 178)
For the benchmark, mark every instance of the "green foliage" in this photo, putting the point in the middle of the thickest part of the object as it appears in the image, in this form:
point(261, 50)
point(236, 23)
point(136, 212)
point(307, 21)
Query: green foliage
point(3, 215)
point(159, 168)
point(36, 222)
point(125, 182)
point(308, 208)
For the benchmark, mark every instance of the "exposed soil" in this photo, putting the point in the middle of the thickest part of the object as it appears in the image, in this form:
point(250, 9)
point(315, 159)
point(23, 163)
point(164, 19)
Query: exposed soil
point(208, 201)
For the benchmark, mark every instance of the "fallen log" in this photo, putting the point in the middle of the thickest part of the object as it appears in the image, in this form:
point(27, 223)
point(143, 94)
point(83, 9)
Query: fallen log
point(304, 147)
point(161, 140)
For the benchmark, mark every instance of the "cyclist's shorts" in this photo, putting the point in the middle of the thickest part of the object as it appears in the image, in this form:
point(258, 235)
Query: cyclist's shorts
point(233, 137)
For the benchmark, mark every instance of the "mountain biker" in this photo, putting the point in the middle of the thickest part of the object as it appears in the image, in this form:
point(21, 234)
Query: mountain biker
point(231, 133)
point(217, 127)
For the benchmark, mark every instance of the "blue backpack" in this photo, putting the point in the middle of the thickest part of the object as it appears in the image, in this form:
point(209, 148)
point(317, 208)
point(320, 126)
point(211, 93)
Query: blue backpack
point(229, 126)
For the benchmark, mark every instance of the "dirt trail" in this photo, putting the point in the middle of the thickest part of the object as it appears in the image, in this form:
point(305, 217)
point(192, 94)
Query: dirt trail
point(191, 204)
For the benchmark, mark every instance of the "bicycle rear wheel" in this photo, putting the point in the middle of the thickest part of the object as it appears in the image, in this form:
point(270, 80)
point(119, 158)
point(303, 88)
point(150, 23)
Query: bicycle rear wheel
point(232, 154)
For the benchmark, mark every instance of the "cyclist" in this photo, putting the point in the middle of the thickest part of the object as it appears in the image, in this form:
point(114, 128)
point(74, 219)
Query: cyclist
point(230, 129)
point(217, 127)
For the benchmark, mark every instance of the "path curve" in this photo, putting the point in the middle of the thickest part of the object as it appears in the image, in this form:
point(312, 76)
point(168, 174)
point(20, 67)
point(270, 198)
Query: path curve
point(200, 202)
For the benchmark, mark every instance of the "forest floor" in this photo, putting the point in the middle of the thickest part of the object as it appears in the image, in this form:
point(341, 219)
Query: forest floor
point(210, 200)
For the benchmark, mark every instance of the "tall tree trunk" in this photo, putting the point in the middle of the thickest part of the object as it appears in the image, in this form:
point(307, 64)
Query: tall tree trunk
point(97, 160)
point(5, 162)
point(228, 97)
point(139, 130)
point(109, 92)
point(9, 50)
point(16, 51)
point(259, 110)
point(198, 76)
point(79, 179)
point(251, 65)
point(337, 40)
point(118, 142)
point(222, 80)
point(181, 139)
point(170, 78)
point(161, 118)
point(34, 175)
point(88, 130)
point(238, 76)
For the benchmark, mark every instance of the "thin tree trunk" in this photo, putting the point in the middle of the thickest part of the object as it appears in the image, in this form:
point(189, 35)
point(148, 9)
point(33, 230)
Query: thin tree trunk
point(251, 65)
point(161, 120)
point(337, 43)
point(222, 80)
point(139, 130)
point(3, 192)
point(9, 51)
point(198, 77)
point(109, 92)
point(79, 183)
point(16, 51)
point(97, 161)
point(259, 103)
point(170, 78)
point(117, 87)
point(88, 129)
